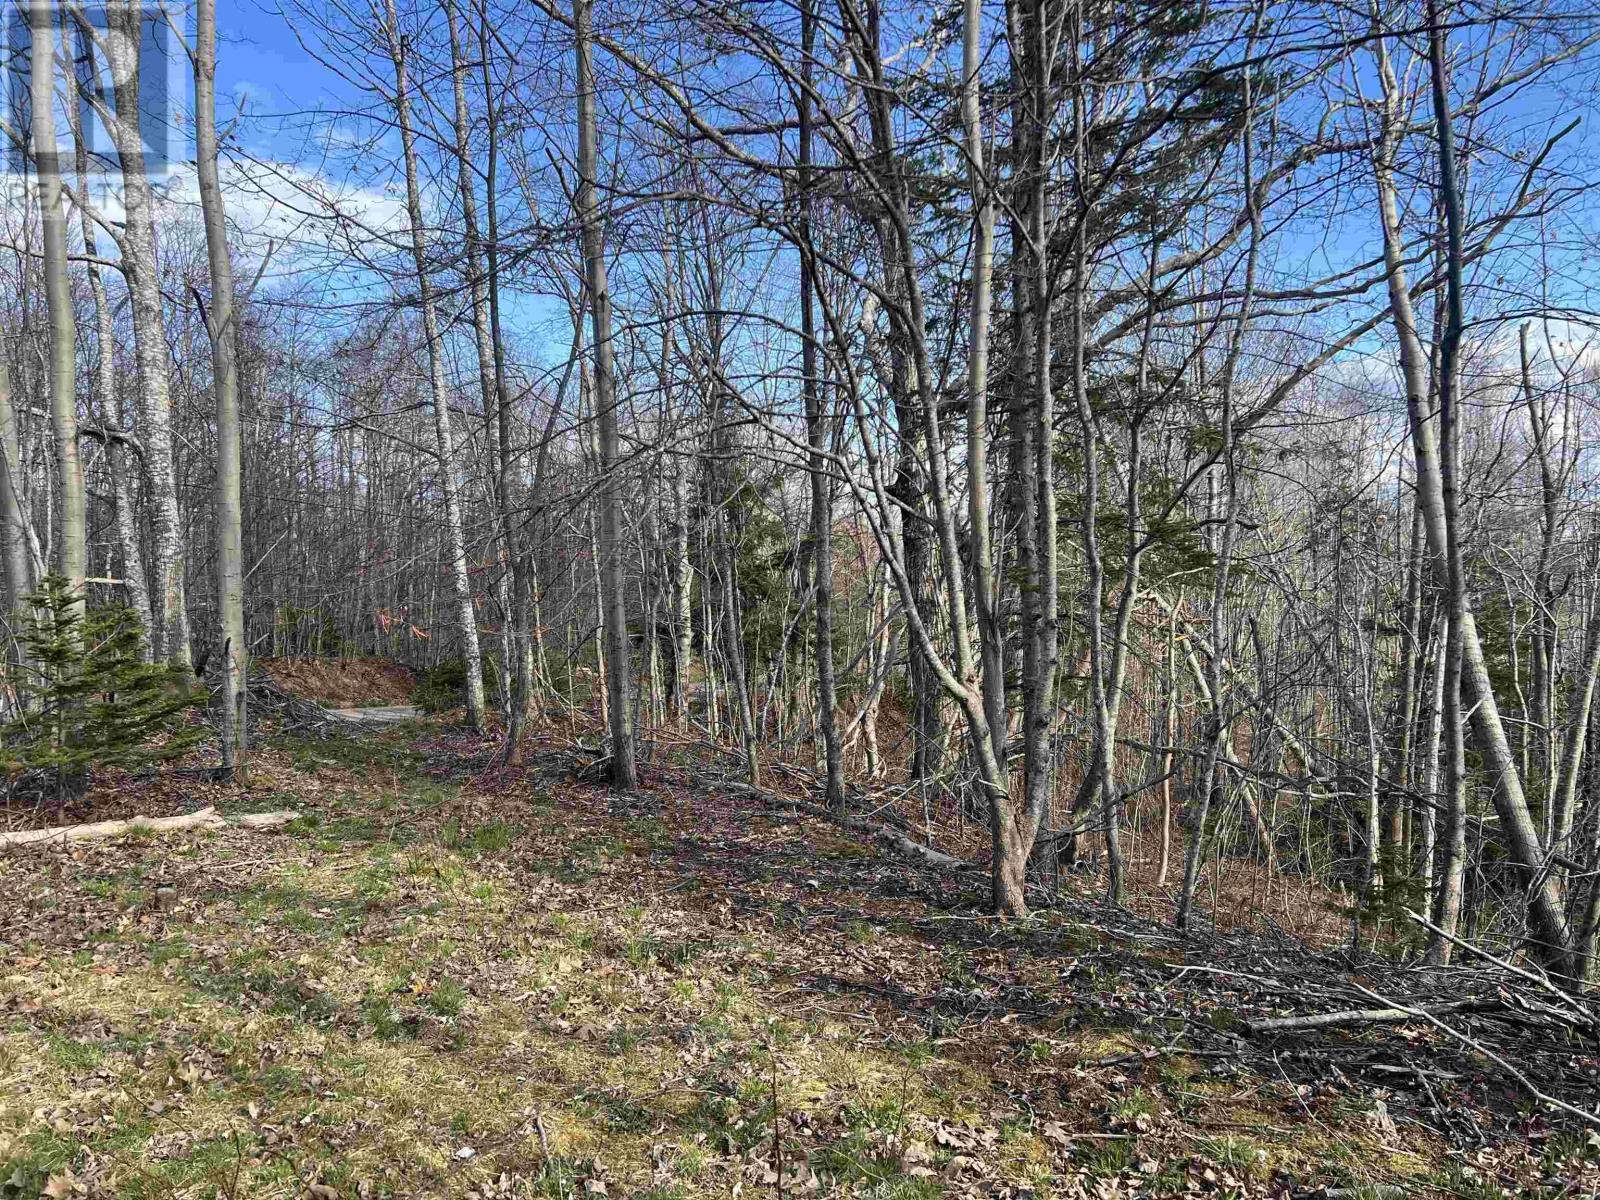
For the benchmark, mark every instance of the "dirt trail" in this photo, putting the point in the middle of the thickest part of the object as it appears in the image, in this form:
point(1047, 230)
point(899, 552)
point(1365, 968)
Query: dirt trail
point(377, 717)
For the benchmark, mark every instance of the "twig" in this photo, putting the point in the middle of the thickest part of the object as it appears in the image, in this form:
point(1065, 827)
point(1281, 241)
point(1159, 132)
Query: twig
point(1538, 979)
point(544, 1140)
point(1472, 1043)
point(885, 834)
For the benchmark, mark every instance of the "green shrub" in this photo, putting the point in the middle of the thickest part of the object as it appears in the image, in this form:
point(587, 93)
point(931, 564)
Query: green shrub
point(444, 685)
point(86, 698)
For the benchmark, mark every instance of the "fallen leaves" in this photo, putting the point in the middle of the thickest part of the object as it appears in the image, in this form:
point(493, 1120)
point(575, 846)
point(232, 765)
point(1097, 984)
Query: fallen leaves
point(631, 973)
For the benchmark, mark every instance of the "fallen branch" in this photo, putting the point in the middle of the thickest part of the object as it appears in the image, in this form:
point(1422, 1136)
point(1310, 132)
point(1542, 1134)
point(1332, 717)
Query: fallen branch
point(205, 818)
point(1473, 1044)
point(885, 835)
point(380, 716)
point(262, 820)
point(1367, 1016)
point(292, 712)
point(1577, 1012)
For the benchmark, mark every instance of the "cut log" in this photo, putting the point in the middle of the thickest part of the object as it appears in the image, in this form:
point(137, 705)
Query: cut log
point(900, 844)
point(205, 818)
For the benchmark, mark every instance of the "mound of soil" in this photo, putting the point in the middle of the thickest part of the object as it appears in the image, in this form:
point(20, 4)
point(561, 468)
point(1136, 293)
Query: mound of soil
point(343, 682)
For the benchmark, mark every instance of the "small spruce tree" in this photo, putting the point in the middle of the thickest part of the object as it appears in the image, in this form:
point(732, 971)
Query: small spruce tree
point(86, 698)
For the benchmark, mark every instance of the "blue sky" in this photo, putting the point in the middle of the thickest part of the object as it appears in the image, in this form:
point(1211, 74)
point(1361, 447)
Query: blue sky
point(291, 137)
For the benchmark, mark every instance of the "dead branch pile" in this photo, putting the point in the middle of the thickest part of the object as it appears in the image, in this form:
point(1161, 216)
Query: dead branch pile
point(290, 712)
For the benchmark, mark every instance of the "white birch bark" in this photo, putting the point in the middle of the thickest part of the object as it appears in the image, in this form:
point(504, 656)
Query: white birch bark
point(19, 577)
point(517, 665)
point(120, 456)
point(121, 45)
point(71, 540)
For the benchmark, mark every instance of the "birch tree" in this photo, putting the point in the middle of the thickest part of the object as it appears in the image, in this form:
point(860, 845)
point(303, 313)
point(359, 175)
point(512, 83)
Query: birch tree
point(121, 44)
point(222, 327)
point(438, 391)
point(71, 543)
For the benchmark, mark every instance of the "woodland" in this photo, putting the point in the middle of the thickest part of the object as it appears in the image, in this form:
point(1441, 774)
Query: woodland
point(817, 597)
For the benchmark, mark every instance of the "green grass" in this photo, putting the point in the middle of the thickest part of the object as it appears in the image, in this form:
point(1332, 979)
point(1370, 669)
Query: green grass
point(491, 837)
point(584, 859)
point(1105, 1158)
point(389, 748)
point(388, 1022)
point(1232, 1152)
point(616, 1114)
point(860, 932)
point(1137, 1103)
point(904, 1188)
point(73, 1054)
point(447, 998)
point(250, 983)
point(561, 1179)
point(1467, 1183)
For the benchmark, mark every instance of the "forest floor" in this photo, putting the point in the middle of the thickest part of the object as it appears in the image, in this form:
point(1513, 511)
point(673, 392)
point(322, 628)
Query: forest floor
point(446, 981)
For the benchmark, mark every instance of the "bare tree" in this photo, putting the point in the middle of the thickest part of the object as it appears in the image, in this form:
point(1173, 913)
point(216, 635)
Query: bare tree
point(72, 550)
point(614, 617)
point(466, 611)
point(222, 326)
point(121, 44)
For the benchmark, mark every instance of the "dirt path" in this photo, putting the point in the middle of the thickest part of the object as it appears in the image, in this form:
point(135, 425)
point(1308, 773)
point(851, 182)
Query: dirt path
point(378, 716)
point(441, 985)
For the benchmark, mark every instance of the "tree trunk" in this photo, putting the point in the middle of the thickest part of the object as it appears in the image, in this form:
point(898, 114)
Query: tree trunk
point(71, 541)
point(19, 578)
point(1434, 448)
point(817, 440)
point(222, 327)
point(1406, 699)
point(515, 670)
point(614, 617)
point(123, 44)
point(985, 586)
point(107, 400)
point(1436, 487)
point(1452, 868)
point(682, 595)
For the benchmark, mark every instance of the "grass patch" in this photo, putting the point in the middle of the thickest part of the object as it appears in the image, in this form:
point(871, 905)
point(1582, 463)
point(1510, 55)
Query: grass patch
point(75, 1055)
point(1105, 1158)
point(491, 837)
point(1237, 1154)
point(447, 998)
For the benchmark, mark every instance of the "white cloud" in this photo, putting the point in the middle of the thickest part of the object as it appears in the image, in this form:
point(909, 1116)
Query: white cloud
point(303, 215)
